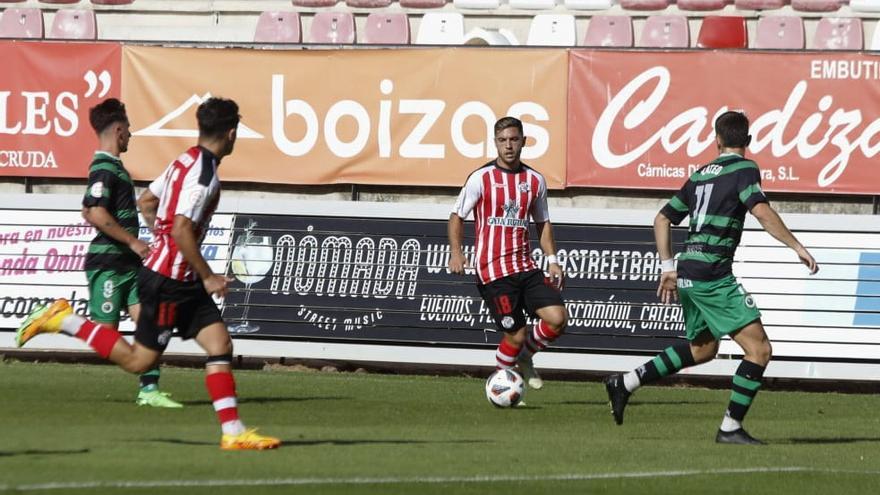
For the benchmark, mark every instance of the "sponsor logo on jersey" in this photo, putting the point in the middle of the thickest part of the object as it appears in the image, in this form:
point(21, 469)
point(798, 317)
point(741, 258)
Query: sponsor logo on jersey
point(511, 210)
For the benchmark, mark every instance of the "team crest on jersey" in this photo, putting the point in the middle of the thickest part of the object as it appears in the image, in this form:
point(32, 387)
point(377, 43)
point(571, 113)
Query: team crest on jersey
point(524, 187)
point(97, 189)
point(507, 322)
point(164, 337)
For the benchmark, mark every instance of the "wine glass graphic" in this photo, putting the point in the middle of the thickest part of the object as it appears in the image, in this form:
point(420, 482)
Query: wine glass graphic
point(251, 259)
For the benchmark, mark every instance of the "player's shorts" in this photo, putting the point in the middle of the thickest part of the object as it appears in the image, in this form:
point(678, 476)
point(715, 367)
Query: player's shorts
point(509, 298)
point(168, 304)
point(721, 306)
point(110, 292)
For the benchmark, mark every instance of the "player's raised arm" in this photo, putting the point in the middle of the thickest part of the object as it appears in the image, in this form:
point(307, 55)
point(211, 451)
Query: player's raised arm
point(774, 226)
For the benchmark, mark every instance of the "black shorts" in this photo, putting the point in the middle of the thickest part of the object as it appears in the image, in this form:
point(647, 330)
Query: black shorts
point(167, 304)
point(509, 298)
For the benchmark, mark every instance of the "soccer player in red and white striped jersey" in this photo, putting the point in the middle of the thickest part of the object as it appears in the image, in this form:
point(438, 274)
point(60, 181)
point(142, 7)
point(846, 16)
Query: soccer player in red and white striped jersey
point(503, 194)
point(175, 284)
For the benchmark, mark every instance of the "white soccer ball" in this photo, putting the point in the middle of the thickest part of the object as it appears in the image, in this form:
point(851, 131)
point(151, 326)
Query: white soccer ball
point(505, 388)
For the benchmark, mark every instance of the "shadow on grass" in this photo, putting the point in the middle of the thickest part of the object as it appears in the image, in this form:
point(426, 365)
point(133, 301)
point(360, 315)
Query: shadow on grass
point(248, 400)
point(13, 453)
point(337, 442)
point(633, 403)
point(830, 440)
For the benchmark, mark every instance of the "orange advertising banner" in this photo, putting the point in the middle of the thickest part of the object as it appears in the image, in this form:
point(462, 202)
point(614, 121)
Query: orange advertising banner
point(46, 90)
point(645, 119)
point(408, 117)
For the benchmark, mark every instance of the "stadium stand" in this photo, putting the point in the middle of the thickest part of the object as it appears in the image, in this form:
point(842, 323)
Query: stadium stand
point(609, 31)
point(368, 4)
point(816, 5)
point(21, 23)
point(665, 31)
point(552, 30)
point(780, 33)
point(112, 2)
point(422, 4)
point(533, 4)
point(644, 4)
point(723, 32)
point(483, 36)
point(701, 5)
point(865, 5)
point(386, 29)
point(60, 1)
point(74, 24)
point(476, 4)
point(759, 4)
point(278, 27)
point(589, 4)
point(838, 33)
point(441, 28)
point(332, 28)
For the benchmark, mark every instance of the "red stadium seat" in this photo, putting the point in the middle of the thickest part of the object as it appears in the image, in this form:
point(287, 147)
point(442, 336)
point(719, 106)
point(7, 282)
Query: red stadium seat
point(665, 31)
point(386, 29)
point(370, 4)
point(701, 5)
point(422, 4)
point(644, 4)
point(816, 5)
point(839, 33)
point(74, 24)
point(332, 28)
point(780, 32)
point(278, 27)
point(609, 30)
point(723, 32)
point(112, 2)
point(759, 4)
point(21, 23)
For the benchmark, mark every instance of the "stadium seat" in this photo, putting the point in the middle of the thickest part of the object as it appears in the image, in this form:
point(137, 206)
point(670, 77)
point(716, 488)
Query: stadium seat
point(494, 37)
point(57, 1)
point(589, 4)
point(609, 30)
point(12, 1)
point(74, 24)
point(314, 3)
point(21, 23)
point(112, 2)
point(838, 33)
point(815, 5)
point(278, 27)
point(875, 40)
point(665, 31)
point(780, 32)
point(332, 28)
point(723, 32)
point(386, 29)
point(532, 4)
point(441, 28)
point(369, 4)
point(701, 5)
point(422, 4)
point(476, 4)
point(759, 4)
point(644, 4)
point(864, 5)
point(552, 30)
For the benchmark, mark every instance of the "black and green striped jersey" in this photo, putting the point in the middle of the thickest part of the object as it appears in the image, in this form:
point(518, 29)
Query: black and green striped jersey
point(111, 187)
point(716, 197)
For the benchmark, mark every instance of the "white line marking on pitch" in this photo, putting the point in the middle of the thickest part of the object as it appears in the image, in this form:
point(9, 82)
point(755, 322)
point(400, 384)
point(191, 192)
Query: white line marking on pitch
point(413, 480)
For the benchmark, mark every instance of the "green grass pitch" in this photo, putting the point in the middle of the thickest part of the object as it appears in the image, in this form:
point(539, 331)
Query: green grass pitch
point(71, 429)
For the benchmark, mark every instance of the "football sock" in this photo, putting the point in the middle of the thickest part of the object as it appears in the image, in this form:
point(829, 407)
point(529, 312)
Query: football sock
point(100, 338)
point(149, 381)
point(746, 383)
point(505, 356)
point(538, 339)
point(672, 360)
point(221, 388)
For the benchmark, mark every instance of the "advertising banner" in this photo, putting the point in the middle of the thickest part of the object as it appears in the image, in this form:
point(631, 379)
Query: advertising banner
point(403, 117)
point(645, 119)
point(46, 90)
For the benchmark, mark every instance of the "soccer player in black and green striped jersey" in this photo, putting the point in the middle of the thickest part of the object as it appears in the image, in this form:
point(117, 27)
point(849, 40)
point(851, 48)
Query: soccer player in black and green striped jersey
point(716, 197)
point(114, 255)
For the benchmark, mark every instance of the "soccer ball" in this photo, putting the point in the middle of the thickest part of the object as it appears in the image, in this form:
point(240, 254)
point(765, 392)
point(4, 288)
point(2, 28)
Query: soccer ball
point(505, 388)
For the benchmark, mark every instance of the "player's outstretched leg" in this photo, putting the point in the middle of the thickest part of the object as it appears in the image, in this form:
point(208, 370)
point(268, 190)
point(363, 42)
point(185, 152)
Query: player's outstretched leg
point(58, 317)
point(621, 386)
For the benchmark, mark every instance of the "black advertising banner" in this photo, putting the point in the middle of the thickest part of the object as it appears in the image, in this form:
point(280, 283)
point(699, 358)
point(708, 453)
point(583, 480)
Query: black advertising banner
point(384, 280)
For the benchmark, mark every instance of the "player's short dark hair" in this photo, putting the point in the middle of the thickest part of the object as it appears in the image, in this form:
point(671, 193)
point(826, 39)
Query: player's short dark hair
point(505, 122)
point(216, 116)
point(733, 129)
point(108, 112)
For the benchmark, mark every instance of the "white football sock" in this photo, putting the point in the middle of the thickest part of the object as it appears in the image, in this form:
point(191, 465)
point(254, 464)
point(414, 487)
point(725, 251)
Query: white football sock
point(234, 427)
point(729, 424)
point(631, 381)
point(71, 324)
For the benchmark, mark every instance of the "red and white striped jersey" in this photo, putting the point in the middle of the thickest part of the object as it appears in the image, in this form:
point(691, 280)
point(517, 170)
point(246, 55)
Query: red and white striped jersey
point(502, 201)
point(188, 187)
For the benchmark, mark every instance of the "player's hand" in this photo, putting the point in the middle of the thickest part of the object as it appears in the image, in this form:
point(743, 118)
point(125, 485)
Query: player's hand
point(667, 290)
point(140, 248)
point(457, 263)
point(807, 259)
point(557, 276)
point(217, 285)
